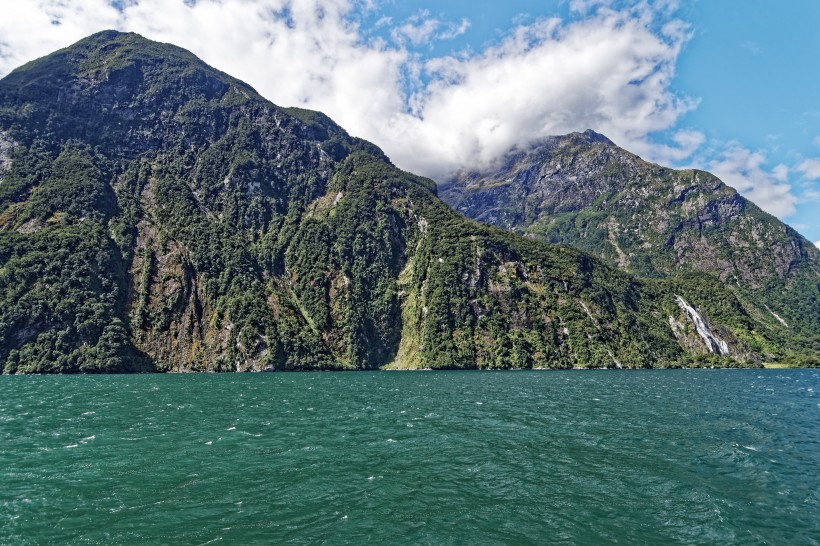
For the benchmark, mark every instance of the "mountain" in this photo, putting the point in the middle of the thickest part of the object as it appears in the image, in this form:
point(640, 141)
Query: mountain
point(157, 214)
point(582, 190)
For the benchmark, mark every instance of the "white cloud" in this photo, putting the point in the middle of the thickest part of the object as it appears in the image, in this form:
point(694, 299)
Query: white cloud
point(454, 30)
point(817, 244)
point(608, 73)
point(424, 29)
point(743, 170)
point(585, 6)
point(609, 70)
point(417, 30)
point(780, 173)
point(686, 142)
point(810, 168)
point(35, 28)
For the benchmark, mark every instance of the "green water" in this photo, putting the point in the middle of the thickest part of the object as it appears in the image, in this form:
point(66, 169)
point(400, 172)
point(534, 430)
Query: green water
point(659, 457)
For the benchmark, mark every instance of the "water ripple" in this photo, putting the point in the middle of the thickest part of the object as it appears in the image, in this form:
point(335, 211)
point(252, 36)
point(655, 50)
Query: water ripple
point(693, 457)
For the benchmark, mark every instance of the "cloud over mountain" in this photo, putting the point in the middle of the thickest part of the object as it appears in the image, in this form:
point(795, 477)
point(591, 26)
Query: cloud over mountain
point(743, 170)
point(610, 71)
point(607, 69)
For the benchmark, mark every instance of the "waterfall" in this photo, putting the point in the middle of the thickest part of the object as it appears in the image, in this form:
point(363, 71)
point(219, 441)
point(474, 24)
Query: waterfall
point(713, 343)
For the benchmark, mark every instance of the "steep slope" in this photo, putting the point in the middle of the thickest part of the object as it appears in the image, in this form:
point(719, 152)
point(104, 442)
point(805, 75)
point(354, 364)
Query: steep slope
point(157, 214)
point(584, 191)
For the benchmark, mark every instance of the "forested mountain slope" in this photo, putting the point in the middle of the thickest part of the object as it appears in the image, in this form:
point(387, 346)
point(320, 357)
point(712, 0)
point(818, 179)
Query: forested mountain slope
point(157, 214)
point(582, 190)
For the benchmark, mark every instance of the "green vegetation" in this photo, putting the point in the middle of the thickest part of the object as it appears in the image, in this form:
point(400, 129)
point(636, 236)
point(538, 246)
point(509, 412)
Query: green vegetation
point(160, 215)
point(755, 277)
point(62, 300)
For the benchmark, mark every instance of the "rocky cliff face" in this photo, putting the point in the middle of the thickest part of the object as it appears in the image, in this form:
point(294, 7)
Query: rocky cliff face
point(584, 191)
point(156, 214)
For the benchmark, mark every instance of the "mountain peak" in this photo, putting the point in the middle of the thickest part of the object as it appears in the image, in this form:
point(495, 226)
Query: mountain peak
point(119, 88)
point(127, 92)
point(110, 35)
point(96, 56)
point(592, 136)
point(584, 191)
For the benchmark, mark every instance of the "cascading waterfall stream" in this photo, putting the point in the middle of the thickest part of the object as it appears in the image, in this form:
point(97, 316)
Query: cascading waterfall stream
point(712, 341)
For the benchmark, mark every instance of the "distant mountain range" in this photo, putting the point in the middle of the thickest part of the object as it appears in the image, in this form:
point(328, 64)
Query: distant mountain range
point(158, 215)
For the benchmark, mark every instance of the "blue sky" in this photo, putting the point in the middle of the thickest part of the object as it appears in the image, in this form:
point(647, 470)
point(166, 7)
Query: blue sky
point(756, 69)
point(721, 85)
point(752, 66)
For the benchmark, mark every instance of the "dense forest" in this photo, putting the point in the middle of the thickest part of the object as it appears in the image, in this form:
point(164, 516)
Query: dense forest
point(159, 215)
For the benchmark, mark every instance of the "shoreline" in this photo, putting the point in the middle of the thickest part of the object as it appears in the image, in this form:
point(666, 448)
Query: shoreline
point(538, 369)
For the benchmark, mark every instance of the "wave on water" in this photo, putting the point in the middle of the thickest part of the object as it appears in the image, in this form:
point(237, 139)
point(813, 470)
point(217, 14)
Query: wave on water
point(715, 457)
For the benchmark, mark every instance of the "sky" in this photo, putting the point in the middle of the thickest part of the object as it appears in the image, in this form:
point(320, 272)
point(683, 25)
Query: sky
point(727, 86)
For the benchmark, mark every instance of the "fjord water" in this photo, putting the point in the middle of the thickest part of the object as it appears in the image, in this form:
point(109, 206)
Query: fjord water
point(689, 456)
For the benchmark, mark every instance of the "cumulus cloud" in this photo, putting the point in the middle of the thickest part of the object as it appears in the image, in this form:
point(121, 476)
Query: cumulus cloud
point(781, 173)
point(817, 244)
point(810, 168)
point(744, 170)
point(38, 27)
point(608, 70)
point(686, 142)
point(423, 29)
point(417, 32)
point(609, 73)
point(586, 6)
